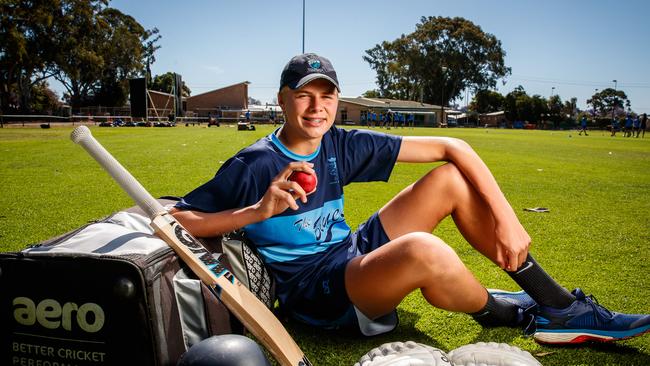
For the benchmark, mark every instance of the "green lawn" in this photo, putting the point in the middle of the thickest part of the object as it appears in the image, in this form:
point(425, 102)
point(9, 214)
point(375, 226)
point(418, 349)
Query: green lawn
point(596, 236)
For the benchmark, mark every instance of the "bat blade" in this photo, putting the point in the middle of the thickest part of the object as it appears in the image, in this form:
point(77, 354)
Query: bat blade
point(255, 316)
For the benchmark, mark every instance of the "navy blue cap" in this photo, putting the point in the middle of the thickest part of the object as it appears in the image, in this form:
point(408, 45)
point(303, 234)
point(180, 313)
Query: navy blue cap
point(307, 67)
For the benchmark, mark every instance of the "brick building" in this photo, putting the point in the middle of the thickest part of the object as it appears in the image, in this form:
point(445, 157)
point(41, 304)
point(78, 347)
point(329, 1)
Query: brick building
point(233, 97)
point(494, 119)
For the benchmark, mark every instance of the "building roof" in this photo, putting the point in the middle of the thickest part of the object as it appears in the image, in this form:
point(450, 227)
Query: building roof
point(385, 103)
point(402, 106)
point(264, 108)
point(497, 113)
point(225, 87)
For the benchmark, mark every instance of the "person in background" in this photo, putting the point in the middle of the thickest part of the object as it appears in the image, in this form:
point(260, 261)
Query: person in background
point(614, 127)
point(636, 124)
point(628, 126)
point(583, 125)
point(643, 125)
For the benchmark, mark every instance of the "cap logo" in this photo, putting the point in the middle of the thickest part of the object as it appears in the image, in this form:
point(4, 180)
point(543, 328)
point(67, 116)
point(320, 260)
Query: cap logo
point(314, 64)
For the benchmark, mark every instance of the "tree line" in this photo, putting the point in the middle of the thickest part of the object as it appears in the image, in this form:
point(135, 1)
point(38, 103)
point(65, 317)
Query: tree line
point(445, 56)
point(519, 106)
point(90, 48)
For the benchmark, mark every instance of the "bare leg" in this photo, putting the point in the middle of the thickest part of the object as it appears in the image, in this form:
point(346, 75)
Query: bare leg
point(442, 192)
point(378, 281)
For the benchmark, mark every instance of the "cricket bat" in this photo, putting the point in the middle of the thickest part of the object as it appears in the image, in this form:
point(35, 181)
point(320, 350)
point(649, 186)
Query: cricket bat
point(255, 316)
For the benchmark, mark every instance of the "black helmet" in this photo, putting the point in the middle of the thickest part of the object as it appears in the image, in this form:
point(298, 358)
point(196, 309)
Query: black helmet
point(224, 350)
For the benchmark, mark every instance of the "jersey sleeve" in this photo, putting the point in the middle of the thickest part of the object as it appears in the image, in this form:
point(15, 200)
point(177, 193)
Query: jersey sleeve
point(367, 155)
point(234, 186)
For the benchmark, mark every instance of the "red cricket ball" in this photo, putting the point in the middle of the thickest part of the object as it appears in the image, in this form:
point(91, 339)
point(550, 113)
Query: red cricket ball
point(305, 180)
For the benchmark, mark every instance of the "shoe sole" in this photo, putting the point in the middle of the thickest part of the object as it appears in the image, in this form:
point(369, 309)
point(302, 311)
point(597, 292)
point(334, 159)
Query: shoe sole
point(576, 336)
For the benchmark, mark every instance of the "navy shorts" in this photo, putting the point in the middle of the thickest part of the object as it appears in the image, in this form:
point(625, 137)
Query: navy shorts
point(324, 301)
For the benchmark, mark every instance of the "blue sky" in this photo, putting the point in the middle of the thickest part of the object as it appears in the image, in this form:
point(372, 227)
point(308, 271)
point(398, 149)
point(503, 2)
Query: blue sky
point(571, 46)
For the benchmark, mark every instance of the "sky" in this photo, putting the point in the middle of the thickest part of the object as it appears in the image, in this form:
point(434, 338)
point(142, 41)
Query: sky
point(569, 48)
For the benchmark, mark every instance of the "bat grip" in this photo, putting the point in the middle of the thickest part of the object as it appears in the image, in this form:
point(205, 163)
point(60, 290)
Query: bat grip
point(129, 184)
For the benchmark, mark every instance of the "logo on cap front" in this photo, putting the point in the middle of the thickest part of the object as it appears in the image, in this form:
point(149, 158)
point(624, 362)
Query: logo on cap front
point(314, 64)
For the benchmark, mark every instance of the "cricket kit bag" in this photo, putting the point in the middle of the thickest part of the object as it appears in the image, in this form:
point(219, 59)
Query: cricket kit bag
point(113, 293)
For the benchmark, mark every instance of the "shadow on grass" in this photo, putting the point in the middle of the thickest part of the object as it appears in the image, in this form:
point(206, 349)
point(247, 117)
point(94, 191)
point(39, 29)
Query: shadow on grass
point(346, 346)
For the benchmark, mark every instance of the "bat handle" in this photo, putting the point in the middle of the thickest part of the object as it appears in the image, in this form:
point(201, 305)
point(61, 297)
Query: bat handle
point(82, 136)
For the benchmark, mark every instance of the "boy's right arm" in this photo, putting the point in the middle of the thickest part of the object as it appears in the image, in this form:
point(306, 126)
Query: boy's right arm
point(209, 224)
point(280, 195)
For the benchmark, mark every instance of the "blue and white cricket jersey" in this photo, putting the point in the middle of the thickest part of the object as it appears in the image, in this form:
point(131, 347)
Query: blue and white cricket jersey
point(294, 243)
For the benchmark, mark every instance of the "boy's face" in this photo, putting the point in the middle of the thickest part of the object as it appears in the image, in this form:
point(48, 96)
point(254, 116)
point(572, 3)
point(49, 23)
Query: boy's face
point(311, 110)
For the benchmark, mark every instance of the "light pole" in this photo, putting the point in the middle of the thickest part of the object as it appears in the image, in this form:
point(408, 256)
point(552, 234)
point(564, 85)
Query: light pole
point(552, 90)
point(442, 97)
point(593, 101)
point(303, 26)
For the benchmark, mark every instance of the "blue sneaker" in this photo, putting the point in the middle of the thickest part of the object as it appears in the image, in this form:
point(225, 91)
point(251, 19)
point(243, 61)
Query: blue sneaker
point(585, 320)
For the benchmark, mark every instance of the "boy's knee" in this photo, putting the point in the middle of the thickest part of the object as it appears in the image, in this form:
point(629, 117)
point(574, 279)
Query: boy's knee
point(429, 253)
point(448, 173)
point(453, 174)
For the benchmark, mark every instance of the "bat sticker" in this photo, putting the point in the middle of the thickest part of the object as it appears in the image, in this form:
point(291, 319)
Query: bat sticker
point(188, 240)
point(202, 254)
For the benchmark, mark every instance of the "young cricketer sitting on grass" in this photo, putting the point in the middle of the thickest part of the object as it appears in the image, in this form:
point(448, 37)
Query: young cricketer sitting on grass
point(329, 276)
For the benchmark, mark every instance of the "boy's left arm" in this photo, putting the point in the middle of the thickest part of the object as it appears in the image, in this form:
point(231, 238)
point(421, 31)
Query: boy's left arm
point(512, 240)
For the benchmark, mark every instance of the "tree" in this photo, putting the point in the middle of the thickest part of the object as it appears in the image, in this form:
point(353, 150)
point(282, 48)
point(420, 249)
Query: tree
point(26, 50)
point(442, 57)
point(513, 102)
point(374, 93)
point(100, 48)
point(555, 110)
point(165, 84)
point(90, 48)
point(44, 100)
point(124, 53)
point(569, 109)
point(519, 106)
point(253, 101)
point(609, 102)
point(487, 101)
point(538, 107)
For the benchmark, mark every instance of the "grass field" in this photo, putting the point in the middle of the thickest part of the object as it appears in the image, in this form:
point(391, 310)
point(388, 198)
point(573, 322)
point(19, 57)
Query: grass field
point(596, 235)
